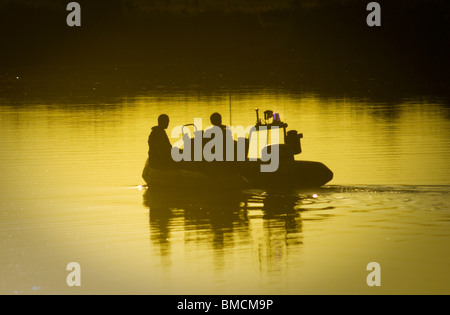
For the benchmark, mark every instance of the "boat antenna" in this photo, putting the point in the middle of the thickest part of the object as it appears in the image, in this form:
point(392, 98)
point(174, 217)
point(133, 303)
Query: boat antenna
point(229, 92)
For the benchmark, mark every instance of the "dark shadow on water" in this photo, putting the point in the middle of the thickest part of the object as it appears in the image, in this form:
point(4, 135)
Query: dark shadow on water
point(129, 47)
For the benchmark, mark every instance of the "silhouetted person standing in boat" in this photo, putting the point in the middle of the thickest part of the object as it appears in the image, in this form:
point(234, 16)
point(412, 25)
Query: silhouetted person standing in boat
point(159, 146)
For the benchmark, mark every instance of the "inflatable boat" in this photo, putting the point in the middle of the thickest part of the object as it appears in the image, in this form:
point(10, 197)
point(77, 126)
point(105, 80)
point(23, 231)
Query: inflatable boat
point(247, 173)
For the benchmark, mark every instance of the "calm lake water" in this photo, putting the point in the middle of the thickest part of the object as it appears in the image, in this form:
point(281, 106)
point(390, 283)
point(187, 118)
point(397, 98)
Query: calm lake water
point(71, 191)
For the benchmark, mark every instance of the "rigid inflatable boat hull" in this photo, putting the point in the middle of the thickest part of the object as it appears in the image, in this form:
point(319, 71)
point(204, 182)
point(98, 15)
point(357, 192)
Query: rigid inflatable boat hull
point(235, 176)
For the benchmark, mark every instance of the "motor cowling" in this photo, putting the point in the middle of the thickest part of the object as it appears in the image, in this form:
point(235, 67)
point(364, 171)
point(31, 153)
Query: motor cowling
point(293, 140)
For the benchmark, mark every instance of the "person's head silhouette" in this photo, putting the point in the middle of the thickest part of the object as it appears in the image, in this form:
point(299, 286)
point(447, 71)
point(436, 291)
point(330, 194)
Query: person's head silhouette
point(216, 119)
point(163, 121)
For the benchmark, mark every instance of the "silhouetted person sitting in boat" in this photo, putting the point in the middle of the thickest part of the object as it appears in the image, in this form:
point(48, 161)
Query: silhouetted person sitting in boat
point(159, 153)
point(216, 120)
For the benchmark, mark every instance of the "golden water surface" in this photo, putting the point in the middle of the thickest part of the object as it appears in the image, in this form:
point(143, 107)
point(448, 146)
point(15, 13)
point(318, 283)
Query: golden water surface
point(71, 191)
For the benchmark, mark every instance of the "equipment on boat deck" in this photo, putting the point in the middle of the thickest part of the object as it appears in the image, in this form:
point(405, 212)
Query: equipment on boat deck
point(291, 138)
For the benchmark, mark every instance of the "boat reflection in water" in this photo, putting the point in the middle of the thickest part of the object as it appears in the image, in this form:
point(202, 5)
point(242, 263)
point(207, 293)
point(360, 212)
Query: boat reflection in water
point(267, 223)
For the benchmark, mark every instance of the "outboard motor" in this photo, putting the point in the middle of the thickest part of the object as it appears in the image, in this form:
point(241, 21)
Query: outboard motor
point(293, 141)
